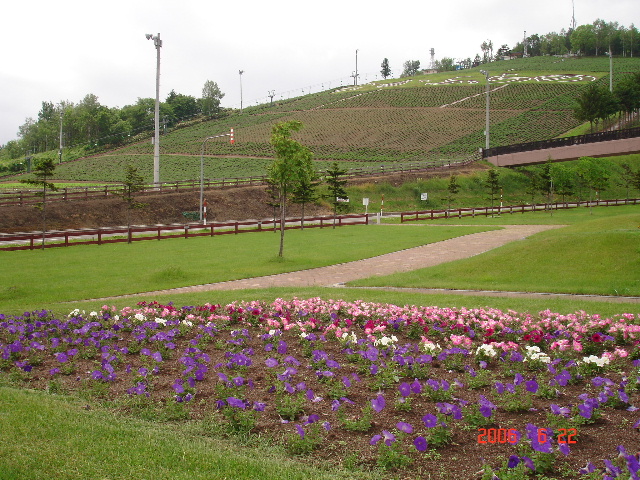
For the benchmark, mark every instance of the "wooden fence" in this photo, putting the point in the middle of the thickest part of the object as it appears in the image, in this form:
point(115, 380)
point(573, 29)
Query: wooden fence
point(33, 196)
point(99, 236)
point(472, 212)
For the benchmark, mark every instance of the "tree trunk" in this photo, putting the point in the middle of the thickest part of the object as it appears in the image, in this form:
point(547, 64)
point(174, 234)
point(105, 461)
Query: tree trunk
point(282, 224)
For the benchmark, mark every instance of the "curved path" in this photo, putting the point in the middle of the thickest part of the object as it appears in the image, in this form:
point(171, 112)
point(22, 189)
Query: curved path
point(401, 261)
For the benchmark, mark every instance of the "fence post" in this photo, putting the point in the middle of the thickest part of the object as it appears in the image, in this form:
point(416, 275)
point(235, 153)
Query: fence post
point(158, 233)
point(99, 237)
point(236, 228)
point(66, 239)
point(186, 231)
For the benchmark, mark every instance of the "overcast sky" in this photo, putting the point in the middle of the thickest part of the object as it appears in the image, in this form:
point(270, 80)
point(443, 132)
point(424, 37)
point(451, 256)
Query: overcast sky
point(65, 49)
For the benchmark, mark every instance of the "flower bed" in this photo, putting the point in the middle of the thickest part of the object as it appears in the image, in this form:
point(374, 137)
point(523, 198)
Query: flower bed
point(469, 393)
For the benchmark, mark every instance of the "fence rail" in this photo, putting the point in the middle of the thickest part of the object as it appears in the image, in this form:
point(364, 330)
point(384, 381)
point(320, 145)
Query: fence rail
point(32, 196)
point(100, 236)
point(472, 212)
point(562, 142)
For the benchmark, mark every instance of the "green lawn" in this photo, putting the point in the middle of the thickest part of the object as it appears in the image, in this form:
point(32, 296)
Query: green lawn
point(596, 255)
point(37, 279)
point(50, 436)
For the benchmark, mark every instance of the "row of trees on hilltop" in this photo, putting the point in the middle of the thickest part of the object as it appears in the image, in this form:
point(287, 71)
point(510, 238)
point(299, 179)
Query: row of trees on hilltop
point(597, 103)
point(597, 38)
point(90, 123)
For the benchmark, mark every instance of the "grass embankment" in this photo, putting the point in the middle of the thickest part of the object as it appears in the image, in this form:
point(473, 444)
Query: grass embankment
point(50, 436)
point(596, 255)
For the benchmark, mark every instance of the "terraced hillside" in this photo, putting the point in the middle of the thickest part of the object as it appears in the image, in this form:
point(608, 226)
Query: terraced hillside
point(422, 118)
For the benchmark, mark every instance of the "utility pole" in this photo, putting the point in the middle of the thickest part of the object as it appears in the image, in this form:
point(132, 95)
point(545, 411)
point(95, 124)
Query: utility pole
point(60, 149)
point(156, 138)
point(487, 123)
point(240, 72)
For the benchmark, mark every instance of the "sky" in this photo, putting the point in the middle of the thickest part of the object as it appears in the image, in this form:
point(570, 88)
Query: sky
point(63, 50)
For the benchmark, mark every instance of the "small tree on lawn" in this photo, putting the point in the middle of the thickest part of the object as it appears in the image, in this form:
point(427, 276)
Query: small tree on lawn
point(563, 183)
point(272, 201)
point(493, 186)
point(133, 184)
point(305, 192)
point(337, 192)
point(43, 171)
point(453, 188)
point(292, 164)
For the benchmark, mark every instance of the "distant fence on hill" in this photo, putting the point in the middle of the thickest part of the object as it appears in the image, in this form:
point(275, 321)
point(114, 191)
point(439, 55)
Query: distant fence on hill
point(562, 142)
point(33, 196)
point(100, 236)
point(486, 211)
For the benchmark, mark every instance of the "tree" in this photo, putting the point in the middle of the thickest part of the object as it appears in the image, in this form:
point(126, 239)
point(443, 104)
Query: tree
point(447, 64)
point(563, 183)
point(453, 188)
point(593, 174)
point(211, 96)
point(183, 106)
point(411, 68)
point(43, 172)
point(133, 183)
point(583, 40)
point(305, 192)
point(337, 194)
point(594, 103)
point(493, 185)
point(292, 164)
point(386, 71)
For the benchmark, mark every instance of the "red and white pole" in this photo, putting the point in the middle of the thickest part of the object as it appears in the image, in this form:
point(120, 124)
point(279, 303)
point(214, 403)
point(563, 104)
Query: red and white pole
point(231, 139)
point(204, 211)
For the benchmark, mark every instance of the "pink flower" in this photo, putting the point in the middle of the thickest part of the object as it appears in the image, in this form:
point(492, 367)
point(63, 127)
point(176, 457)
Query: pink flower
point(577, 346)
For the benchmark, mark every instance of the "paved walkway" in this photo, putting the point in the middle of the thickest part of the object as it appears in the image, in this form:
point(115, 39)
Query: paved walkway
point(401, 261)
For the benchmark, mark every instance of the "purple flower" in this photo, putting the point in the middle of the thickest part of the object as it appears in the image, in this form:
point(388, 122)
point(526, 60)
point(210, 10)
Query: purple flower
point(450, 409)
point(389, 437)
point(564, 448)
point(375, 439)
point(557, 410)
point(238, 381)
point(61, 357)
point(528, 463)
point(585, 410)
point(404, 427)
point(271, 362)
point(378, 403)
point(499, 387)
point(513, 462)
point(405, 389)
point(416, 387)
point(486, 407)
point(420, 443)
point(430, 420)
point(236, 402)
point(531, 386)
point(300, 431)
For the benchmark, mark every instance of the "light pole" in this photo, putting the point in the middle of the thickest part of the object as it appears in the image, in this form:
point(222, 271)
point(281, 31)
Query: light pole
point(355, 78)
point(240, 72)
point(486, 128)
point(610, 70)
point(156, 138)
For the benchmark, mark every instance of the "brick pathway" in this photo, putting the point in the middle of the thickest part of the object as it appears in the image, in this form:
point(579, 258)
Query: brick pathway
point(401, 261)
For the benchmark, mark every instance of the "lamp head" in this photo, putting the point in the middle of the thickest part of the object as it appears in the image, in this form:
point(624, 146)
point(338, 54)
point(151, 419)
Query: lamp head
point(148, 36)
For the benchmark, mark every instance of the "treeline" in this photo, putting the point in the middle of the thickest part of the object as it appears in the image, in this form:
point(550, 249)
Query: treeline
point(598, 102)
point(90, 124)
point(597, 38)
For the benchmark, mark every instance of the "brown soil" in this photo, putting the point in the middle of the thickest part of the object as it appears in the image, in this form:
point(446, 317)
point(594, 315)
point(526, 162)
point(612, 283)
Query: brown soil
point(223, 204)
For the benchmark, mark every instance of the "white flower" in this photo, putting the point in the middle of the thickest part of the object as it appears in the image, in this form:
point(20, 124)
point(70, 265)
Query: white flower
point(303, 335)
point(349, 336)
point(485, 349)
point(161, 321)
point(187, 323)
point(599, 361)
point(386, 340)
point(139, 317)
point(431, 347)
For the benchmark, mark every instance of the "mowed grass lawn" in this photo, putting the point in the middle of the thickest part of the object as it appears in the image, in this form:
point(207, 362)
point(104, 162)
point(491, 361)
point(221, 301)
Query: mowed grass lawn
point(36, 279)
point(598, 254)
point(51, 436)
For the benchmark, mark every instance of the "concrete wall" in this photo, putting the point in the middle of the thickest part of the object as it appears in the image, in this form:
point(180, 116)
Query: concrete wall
point(571, 152)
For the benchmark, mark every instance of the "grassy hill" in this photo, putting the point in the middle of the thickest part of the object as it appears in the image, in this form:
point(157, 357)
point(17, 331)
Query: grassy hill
point(408, 120)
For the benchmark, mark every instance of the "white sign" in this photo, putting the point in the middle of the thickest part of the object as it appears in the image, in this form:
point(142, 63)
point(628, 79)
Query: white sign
point(424, 196)
point(365, 201)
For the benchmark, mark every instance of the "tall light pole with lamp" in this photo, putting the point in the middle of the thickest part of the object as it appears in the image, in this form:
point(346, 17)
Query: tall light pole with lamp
point(156, 138)
point(240, 72)
point(487, 123)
